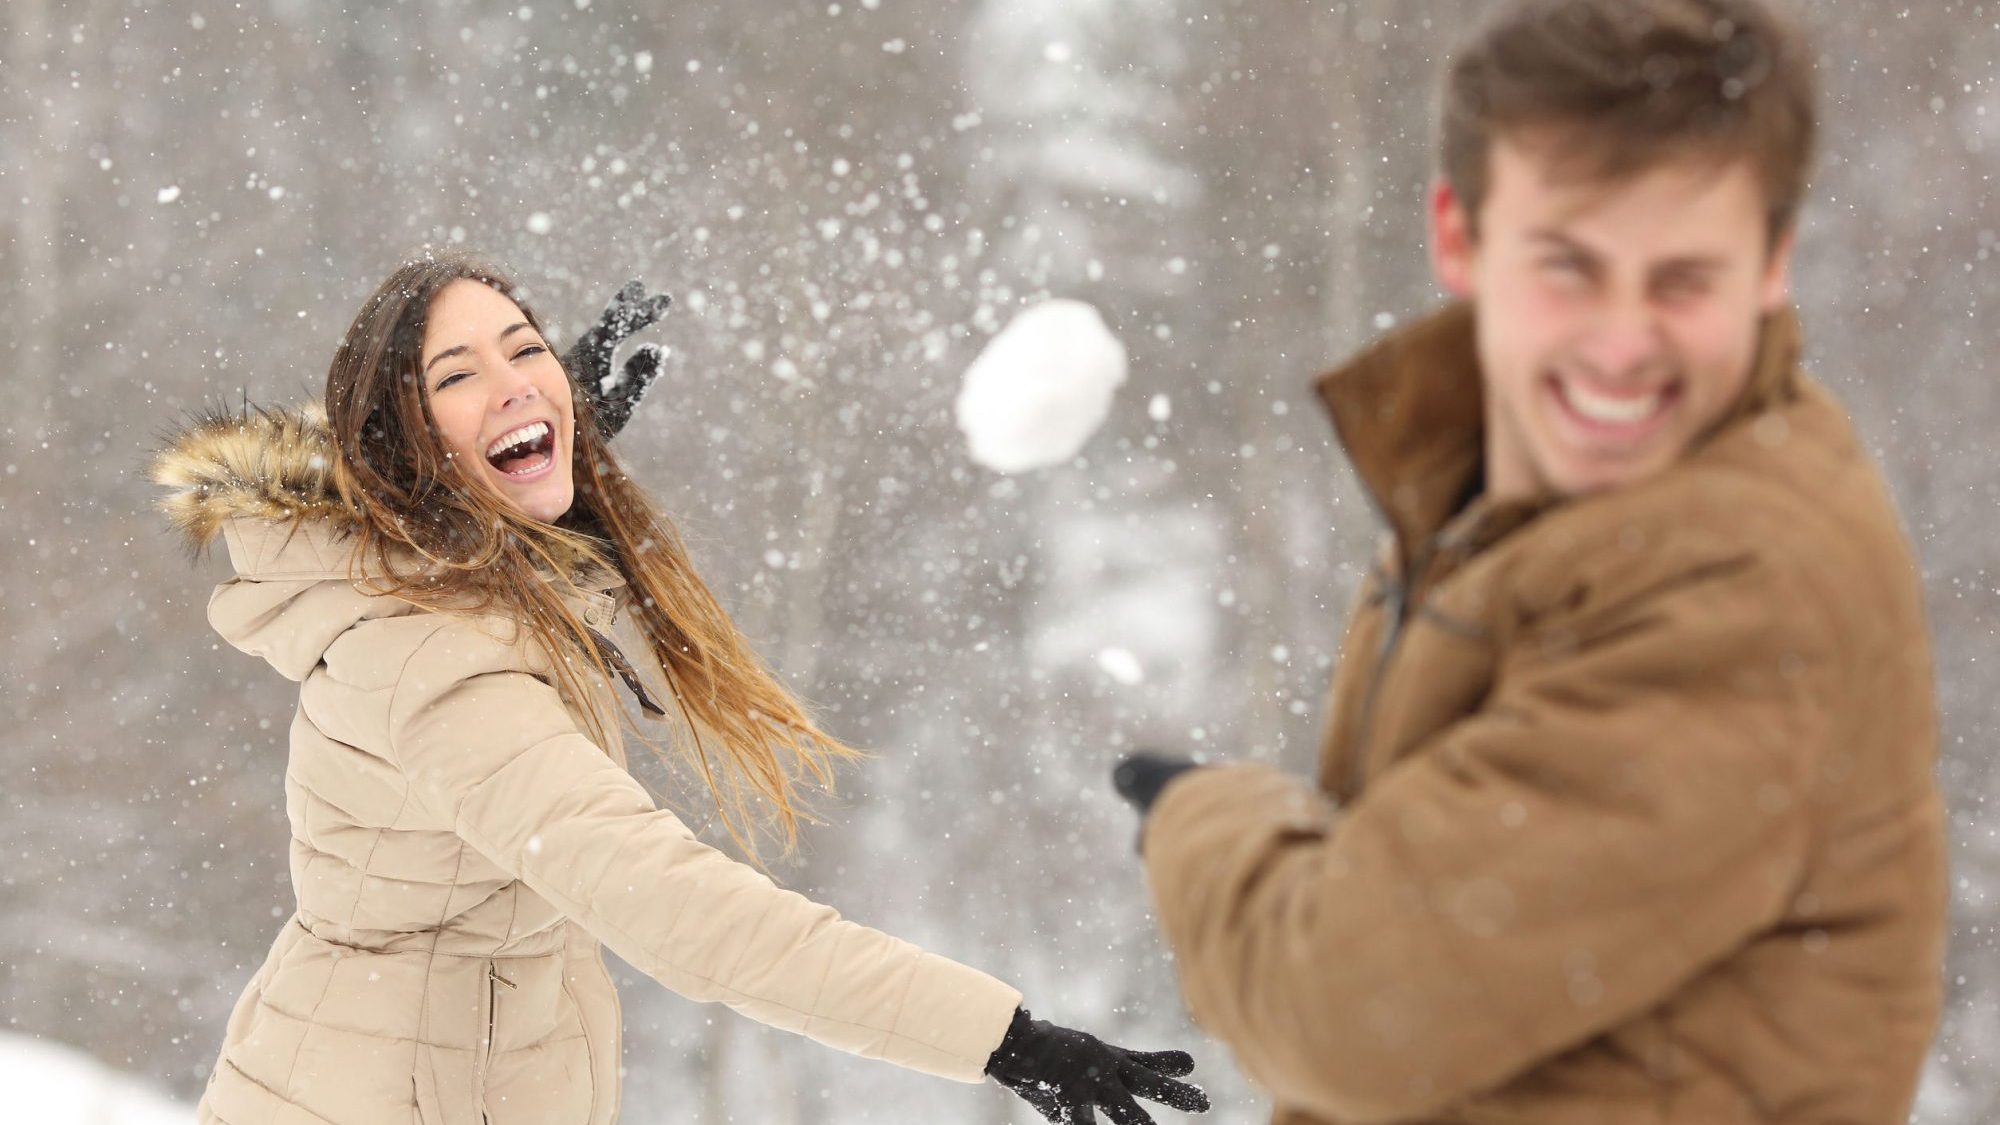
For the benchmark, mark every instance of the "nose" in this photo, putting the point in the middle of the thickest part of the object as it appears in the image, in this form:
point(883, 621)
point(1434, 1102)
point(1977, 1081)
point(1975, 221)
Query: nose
point(518, 390)
point(1623, 346)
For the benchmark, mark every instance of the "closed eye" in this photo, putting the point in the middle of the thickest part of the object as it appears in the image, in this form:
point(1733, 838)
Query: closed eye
point(1684, 285)
point(450, 379)
point(531, 349)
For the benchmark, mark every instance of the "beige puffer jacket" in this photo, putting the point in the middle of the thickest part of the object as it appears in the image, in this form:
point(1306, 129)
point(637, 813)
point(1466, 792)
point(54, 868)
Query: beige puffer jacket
point(460, 848)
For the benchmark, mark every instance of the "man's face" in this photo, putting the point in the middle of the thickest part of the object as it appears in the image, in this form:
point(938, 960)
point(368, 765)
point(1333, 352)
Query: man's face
point(1616, 321)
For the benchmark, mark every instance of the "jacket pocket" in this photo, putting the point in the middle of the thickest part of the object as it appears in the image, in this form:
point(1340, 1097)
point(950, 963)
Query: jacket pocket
point(494, 983)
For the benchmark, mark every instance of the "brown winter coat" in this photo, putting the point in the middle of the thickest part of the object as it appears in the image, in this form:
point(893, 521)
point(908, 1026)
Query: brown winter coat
point(1625, 809)
point(460, 848)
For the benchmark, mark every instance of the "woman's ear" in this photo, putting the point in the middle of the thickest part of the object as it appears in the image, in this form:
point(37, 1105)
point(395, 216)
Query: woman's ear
point(1453, 248)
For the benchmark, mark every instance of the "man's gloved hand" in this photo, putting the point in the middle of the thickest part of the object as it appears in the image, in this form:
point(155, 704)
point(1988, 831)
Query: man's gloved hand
point(1140, 778)
point(613, 394)
point(1064, 1073)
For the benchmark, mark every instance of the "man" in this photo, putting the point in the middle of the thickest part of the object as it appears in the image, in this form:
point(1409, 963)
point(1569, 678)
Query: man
point(1625, 809)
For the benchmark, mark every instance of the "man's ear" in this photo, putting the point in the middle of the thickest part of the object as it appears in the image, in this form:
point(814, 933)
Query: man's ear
point(1777, 284)
point(1452, 245)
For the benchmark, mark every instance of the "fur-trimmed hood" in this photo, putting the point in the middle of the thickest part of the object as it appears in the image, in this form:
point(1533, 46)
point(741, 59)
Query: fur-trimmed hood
point(260, 480)
point(269, 469)
point(273, 464)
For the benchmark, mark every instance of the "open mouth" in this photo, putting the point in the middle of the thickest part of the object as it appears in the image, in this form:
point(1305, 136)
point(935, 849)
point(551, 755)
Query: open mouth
point(1623, 419)
point(525, 451)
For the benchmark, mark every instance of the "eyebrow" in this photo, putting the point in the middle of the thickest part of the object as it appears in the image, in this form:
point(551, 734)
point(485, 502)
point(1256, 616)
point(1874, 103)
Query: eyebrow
point(1698, 263)
point(460, 349)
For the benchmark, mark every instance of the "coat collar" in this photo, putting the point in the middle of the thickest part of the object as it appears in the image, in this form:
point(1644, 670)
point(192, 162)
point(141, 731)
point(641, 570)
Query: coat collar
point(1410, 411)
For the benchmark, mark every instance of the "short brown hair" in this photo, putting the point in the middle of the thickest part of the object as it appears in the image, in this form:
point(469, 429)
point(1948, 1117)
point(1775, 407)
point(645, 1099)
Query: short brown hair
point(1627, 84)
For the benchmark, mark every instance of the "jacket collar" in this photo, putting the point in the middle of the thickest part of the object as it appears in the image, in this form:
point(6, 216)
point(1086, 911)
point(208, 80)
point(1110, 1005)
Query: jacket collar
point(1410, 411)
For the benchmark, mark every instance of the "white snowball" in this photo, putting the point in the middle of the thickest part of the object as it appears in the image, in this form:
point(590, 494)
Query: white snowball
point(1121, 665)
point(1041, 387)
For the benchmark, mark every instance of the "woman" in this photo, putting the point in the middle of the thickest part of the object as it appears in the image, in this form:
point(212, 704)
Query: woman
point(441, 558)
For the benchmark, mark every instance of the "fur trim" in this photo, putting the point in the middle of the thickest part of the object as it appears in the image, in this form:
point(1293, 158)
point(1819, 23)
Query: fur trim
point(271, 464)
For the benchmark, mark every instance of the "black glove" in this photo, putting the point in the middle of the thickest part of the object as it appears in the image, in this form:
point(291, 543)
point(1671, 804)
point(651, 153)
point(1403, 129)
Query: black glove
point(1063, 1073)
point(614, 394)
point(1140, 777)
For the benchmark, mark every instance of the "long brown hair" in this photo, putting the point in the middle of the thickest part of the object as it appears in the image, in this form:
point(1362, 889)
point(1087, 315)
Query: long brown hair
point(443, 539)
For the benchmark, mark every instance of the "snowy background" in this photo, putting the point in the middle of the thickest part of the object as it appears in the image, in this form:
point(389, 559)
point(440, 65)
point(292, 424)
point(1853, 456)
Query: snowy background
point(847, 200)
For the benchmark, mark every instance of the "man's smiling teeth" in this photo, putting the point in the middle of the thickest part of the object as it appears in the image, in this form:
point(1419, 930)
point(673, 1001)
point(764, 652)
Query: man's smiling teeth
point(520, 435)
point(1610, 411)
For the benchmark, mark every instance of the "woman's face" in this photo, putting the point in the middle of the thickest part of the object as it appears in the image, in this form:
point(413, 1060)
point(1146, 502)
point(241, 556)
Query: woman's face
point(500, 398)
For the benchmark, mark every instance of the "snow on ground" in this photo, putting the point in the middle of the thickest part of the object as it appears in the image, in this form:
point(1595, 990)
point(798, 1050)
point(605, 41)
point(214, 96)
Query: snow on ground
point(51, 1083)
point(1040, 388)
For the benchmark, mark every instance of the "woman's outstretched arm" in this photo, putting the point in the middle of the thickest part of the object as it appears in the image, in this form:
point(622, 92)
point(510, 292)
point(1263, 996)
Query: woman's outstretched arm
point(490, 747)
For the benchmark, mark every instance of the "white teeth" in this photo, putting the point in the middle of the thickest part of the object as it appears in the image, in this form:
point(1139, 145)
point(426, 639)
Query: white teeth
point(533, 431)
point(1611, 411)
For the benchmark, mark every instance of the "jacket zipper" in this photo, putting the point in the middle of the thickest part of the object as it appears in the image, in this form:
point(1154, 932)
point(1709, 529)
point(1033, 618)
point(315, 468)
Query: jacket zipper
point(1436, 562)
point(1397, 609)
point(492, 1009)
point(1438, 555)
